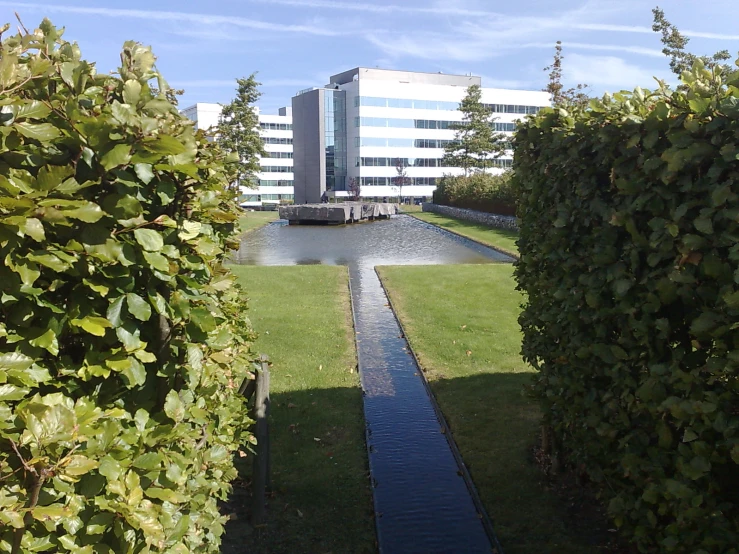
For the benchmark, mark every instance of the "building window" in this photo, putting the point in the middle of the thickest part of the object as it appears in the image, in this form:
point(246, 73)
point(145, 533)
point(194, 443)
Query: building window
point(278, 155)
point(276, 126)
point(439, 105)
point(276, 169)
point(277, 140)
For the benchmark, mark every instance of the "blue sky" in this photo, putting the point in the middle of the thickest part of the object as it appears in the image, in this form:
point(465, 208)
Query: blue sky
point(294, 44)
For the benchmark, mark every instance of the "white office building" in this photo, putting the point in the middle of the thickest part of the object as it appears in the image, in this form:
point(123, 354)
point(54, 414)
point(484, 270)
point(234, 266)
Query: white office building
point(275, 180)
point(356, 128)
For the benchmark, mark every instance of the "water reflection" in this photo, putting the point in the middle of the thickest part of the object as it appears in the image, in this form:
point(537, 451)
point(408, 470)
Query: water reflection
point(400, 240)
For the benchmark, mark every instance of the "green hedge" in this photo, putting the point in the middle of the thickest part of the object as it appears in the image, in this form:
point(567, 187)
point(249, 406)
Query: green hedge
point(123, 339)
point(630, 261)
point(480, 191)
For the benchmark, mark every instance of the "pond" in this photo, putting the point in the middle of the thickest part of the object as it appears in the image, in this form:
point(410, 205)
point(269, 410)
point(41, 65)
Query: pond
point(424, 501)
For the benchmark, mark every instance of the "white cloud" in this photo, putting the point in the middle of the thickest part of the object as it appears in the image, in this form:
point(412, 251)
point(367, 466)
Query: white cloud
point(176, 17)
point(609, 72)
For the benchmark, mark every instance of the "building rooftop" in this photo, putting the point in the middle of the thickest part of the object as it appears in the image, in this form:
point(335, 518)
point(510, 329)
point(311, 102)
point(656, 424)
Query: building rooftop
point(396, 75)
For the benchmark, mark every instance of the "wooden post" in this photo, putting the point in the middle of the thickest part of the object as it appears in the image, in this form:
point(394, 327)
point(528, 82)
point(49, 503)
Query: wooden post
point(261, 460)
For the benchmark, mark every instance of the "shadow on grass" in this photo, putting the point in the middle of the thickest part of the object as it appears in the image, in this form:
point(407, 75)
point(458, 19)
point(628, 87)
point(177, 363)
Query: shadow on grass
point(320, 499)
point(320, 504)
point(496, 427)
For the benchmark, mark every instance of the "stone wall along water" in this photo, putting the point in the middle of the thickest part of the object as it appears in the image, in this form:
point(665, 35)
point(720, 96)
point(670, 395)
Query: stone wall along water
point(494, 220)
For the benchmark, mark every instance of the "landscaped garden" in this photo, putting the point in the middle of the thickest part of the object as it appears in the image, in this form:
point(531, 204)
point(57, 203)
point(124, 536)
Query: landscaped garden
point(251, 221)
point(501, 239)
point(461, 321)
point(321, 499)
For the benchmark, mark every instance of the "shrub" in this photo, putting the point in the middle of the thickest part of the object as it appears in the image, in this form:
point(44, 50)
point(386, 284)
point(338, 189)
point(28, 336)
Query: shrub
point(628, 239)
point(123, 340)
point(479, 191)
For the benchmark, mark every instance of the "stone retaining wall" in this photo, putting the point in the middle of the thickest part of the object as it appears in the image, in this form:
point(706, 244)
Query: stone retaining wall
point(494, 220)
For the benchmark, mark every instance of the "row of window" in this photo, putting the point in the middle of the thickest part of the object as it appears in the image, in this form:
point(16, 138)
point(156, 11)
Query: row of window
point(401, 142)
point(260, 197)
point(512, 108)
point(436, 105)
point(421, 162)
point(276, 169)
point(390, 181)
point(393, 162)
point(276, 126)
point(278, 155)
point(275, 183)
point(419, 123)
point(276, 140)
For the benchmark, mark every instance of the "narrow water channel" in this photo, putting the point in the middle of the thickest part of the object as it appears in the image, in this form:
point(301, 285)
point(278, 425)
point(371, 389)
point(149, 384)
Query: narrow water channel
point(422, 502)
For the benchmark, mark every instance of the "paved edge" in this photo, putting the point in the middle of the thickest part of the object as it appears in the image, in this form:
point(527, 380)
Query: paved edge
point(487, 522)
point(513, 255)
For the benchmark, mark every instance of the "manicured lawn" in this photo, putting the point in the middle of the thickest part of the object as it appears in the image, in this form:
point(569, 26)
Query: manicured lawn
point(254, 220)
point(322, 500)
point(461, 321)
point(497, 238)
point(410, 208)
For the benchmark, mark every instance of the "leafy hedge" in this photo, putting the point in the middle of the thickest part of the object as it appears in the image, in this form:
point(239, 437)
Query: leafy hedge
point(630, 260)
point(480, 191)
point(123, 340)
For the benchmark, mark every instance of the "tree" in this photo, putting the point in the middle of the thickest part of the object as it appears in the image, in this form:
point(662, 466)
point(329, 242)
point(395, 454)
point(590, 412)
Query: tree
point(170, 94)
point(401, 178)
point(562, 97)
point(355, 188)
point(674, 47)
point(238, 130)
point(476, 141)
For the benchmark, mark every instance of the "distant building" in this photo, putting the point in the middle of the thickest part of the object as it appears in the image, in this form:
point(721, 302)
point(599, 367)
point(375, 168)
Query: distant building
point(275, 180)
point(354, 129)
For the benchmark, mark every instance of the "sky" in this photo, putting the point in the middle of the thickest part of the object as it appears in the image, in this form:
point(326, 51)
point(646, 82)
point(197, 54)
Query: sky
point(202, 47)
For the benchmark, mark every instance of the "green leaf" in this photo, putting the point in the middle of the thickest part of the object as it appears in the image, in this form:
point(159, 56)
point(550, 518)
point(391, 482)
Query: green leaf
point(149, 239)
point(139, 308)
point(92, 324)
point(15, 360)
point(34, 229)
point(157, 261)
point(129, 337)
point(131, 92)
point(190, 230)
point(48, 341)
point(10, 392)
point(89, 213)
point(165, 144)
point(148, 461)
point(43, 132)
point(117, 156)
point(144, 172)
point(173, 406)
point(79, 465)
point(114, 311)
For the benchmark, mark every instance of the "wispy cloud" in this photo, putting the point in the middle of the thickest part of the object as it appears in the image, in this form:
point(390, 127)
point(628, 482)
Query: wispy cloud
point(445, 9)
point(610, 72)
point(221, 83)
point(175, 17)
point(377, 8)
point(653, 52)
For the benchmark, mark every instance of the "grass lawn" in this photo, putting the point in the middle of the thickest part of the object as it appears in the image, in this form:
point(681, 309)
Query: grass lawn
point(497, 238)
point(461, 321)
point(254, 220)
point(321, 499)
point(410, 208)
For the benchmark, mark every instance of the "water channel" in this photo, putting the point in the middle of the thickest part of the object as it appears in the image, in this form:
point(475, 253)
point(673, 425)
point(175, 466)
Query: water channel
point(423, 503)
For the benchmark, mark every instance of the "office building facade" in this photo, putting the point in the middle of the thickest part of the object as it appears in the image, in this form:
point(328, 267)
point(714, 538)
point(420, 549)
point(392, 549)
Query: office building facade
point(351, 133)
point(274, 181)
